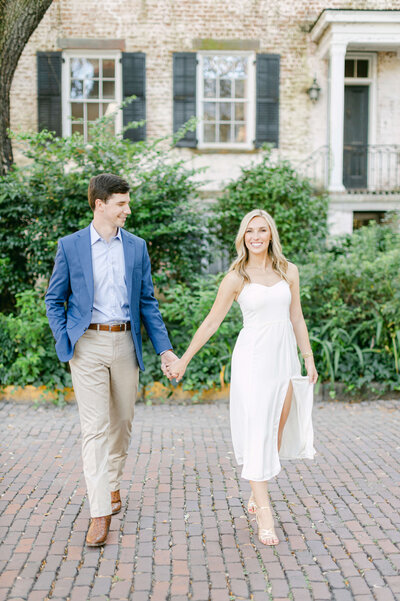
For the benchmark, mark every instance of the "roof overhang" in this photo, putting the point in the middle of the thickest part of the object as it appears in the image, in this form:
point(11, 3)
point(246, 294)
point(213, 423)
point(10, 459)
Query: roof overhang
point(357, 30)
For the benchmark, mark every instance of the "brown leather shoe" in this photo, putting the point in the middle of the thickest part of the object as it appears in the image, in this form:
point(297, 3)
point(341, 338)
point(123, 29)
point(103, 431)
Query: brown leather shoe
point(98, 531)
point(115, 502)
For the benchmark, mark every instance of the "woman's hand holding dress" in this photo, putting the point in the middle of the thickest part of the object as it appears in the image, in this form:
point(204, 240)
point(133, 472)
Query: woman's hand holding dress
point(311, 370)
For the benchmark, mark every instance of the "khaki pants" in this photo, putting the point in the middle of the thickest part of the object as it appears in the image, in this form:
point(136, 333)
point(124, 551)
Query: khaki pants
point(105, 377)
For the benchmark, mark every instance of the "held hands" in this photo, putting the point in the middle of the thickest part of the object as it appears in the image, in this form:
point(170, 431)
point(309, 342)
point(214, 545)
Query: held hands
point(177, 369)
point(167, 359)
point(172, 367)
point(311, 370)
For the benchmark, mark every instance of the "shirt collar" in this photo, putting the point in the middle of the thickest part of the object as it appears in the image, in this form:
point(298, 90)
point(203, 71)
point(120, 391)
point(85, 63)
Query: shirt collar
point(94, 235)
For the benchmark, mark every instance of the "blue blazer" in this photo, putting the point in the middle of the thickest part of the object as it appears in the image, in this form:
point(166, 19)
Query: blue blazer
point(69, 298)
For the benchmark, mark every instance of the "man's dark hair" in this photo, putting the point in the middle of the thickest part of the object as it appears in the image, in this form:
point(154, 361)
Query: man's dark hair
point(105, 185)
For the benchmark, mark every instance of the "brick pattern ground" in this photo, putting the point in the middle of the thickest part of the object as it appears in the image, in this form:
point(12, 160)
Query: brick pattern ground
point(183, 532)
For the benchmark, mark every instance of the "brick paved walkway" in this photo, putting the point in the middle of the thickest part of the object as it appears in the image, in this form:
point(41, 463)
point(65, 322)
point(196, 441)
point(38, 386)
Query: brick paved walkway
point(183, 533)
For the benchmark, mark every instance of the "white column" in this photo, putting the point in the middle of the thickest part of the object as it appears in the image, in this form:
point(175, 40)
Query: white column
point(337, 53)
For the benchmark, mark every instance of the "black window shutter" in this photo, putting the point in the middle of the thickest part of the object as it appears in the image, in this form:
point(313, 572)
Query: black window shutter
point(49, 91)
point(267, 99)
point(184, 70)
point(134, 83)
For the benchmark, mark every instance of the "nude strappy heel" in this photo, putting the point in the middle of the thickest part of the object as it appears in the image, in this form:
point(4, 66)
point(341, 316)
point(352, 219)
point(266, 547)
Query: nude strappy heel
point(252, 505)
point(266, 536)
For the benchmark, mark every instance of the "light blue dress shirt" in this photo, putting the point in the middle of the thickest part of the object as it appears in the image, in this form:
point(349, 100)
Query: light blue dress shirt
point(110, 303)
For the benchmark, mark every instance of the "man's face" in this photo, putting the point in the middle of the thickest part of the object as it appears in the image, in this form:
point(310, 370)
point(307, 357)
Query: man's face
point(115, 211)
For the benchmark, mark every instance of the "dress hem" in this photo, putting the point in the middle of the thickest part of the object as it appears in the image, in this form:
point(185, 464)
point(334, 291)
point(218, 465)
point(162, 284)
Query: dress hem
point(298, 457)
point(261, 479)
point(303, 456)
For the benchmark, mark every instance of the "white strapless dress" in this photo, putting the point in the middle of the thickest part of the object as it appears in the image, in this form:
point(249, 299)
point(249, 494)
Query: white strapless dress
point(264, 361)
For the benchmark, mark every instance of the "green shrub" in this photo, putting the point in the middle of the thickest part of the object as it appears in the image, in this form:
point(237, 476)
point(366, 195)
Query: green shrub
point(47, 199)
point(8, 352)
point(350, 292)
point(300, 214)
point(27, 351)
point(351, 300)
point(184, 308)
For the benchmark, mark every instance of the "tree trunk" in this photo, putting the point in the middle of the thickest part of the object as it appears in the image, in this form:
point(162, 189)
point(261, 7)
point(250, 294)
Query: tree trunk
point(18, 20)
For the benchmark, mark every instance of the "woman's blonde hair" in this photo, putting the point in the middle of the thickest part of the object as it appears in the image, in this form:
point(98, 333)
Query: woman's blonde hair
point(279, 263)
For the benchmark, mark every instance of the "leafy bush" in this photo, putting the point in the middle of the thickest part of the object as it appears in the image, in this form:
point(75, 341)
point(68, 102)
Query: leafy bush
point(351, 300)
point(8, 352)
point(351, 303)
point(350, 292)
point(47, 199)
point(300, 215)
point(185, 307)
point(27, 351)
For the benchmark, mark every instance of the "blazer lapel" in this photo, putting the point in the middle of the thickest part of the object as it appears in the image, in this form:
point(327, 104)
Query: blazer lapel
point(85, 256)
point(129, 255)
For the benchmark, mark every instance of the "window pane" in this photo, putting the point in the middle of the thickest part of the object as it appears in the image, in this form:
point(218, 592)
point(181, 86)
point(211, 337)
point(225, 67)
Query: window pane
point(108, 108)
point(76, 88)
point(224, 133)
point(76, 110)
point(229, 67)
point(92, 111)
point(77, 127)
point(108, 89)
point(91, 89)
point(239, 111)
point(210, 89)
point(209, 133)
point(349, 68)
point(240, 133)
point(362, 68)
point(225, 88)
point(210, 67)
point(108, 67)
point(209, 111)
point(225, 111)
point(239, 88)
point(82, 68)
point(225, 78)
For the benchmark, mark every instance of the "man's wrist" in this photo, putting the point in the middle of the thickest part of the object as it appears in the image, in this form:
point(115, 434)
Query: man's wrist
point(166, 351)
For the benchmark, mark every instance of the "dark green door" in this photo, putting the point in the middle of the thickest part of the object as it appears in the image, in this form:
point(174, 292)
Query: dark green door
point(355, 139)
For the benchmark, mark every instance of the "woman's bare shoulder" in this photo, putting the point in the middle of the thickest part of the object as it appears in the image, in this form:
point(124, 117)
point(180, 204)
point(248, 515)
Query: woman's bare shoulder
point(292, 273)
point(232, 281)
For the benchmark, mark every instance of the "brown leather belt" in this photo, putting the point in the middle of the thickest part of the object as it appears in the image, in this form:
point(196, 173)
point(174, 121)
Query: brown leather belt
point(104, 327)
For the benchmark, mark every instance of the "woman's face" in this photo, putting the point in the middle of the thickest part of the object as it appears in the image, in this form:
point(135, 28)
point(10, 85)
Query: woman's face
point(257, 236)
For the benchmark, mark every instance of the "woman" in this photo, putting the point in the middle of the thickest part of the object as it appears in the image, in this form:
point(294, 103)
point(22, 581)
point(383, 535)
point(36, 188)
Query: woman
point(266, 373)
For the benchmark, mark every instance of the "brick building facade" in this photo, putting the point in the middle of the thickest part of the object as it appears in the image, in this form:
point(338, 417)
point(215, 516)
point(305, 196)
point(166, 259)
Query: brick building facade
point(244, 67)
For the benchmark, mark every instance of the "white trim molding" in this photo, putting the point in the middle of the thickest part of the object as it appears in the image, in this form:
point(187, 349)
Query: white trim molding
point(371, 82)
point(65, 88)
point(336, 115)
point(341, 34)
point(248, 144)
point(371, 30)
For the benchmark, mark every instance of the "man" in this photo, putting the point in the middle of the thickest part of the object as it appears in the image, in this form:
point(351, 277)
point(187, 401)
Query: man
point(99, 292)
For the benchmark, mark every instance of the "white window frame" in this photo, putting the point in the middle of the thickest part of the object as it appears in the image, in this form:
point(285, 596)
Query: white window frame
point(370, 81)
point(65, 79)
point(250, 103)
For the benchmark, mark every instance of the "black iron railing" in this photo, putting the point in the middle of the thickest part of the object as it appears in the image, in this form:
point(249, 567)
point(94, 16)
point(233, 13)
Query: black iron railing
point(372, 168)
point(316, 167)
